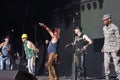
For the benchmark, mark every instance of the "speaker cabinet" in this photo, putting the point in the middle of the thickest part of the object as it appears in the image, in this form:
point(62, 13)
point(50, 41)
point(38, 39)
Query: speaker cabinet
point(16, 75)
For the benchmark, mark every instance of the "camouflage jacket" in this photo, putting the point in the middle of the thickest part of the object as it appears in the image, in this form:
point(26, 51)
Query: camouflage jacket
point(111, 38)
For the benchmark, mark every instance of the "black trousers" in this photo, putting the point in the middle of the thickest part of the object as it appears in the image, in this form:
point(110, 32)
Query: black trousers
point(78, 66)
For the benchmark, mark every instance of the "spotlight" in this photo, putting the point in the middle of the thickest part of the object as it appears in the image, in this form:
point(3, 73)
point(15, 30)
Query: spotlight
point(12, 30)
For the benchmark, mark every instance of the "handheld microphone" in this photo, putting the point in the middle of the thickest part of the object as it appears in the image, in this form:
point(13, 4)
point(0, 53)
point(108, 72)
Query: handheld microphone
point(40, 24)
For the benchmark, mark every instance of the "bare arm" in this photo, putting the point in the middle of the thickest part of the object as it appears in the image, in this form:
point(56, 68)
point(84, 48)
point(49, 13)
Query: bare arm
point(0, 54)
point(33, 47)
point(1, 45)
point(87, 39)
point(71, 44)
point(47, 28)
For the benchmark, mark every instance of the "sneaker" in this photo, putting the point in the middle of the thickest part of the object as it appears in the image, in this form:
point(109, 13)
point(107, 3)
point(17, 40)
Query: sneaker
point(106, 77)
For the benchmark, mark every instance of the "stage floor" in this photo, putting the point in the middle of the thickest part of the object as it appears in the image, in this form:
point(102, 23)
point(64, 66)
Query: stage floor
point(67, 78)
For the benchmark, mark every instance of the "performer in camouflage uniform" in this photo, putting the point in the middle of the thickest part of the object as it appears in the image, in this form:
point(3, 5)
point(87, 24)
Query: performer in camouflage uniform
point(111, 45)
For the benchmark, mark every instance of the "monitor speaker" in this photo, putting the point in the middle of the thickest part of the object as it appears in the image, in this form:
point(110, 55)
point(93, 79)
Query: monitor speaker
point(16, 75)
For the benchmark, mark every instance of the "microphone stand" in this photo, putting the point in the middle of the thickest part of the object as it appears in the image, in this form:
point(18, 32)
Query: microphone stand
point(73, 50)
point(74, 73)
point(35, 45)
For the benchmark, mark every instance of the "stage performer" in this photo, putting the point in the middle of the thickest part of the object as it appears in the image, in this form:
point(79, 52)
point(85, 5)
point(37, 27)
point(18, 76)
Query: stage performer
point(81, 42)
point(111, 45)
point(52, 52)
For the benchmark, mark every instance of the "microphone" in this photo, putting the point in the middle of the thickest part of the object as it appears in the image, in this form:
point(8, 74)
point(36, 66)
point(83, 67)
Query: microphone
point(41, 24)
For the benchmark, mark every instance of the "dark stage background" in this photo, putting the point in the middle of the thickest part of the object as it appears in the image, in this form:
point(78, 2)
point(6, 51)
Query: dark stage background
point(23, 17)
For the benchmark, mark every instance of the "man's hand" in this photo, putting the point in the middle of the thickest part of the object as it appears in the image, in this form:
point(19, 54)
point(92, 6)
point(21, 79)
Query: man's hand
point(116, 51)
point(41, 24)
point(66, 45)
point(84, 48)
point(36, 50)
point(46, 41)
point(102, 50)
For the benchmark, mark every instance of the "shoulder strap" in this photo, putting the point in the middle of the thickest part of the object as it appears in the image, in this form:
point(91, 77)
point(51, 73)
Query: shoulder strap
point(82, 35)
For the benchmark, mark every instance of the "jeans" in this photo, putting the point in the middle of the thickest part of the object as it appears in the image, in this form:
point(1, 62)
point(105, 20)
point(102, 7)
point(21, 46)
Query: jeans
point(5, 63)
point(0, 62)
point(79, 66)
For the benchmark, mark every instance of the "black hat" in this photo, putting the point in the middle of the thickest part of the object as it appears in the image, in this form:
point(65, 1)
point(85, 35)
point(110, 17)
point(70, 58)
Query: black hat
point(80, 28)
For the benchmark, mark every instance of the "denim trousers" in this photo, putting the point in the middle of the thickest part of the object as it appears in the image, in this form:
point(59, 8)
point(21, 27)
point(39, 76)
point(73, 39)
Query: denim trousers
point(5, 63)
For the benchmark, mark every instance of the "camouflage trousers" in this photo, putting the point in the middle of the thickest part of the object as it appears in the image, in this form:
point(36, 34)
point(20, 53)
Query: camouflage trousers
point(51, 66)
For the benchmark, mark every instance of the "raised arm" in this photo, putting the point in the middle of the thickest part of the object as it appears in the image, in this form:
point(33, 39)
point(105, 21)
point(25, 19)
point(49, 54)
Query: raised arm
point(47, 28)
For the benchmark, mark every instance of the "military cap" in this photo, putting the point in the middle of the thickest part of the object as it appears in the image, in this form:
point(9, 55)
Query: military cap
point(106, 16)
